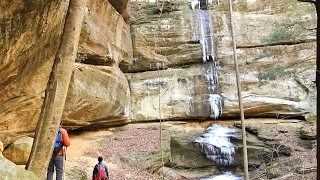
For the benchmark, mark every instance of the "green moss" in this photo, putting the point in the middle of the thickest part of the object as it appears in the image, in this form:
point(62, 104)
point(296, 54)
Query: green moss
point(294, 26)
point(275, 165)
point(242, 5)
point(270, 168)
point(282, 32)
point(272, 73)
point(299, 8)
point(311, 118)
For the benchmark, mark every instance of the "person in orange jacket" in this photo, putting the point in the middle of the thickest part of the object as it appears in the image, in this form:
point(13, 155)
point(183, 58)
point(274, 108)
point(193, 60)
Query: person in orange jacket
point(57, 160)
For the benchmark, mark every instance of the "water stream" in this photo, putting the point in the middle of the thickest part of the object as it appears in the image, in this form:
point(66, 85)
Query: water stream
point(203, 33)
point(224, 176)
point(215, 143)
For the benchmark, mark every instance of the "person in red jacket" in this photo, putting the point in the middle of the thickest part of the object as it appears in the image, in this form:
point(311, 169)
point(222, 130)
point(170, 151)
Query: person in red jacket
point(57, 161)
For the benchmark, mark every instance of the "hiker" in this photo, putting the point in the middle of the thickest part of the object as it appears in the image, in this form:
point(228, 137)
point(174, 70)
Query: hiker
point(58, 155)
point(100, 171)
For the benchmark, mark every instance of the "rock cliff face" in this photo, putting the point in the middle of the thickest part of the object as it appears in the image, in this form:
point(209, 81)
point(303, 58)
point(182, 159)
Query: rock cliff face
point(276, 57)
point(152, 68)
point(30, 36)
point(32, 33)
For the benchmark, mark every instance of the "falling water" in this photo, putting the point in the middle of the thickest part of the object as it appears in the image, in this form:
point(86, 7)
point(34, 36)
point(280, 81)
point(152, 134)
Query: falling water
point(216, 145)
point(202, 28)
point(211, 76)
point(206, 35)
point(203, 33)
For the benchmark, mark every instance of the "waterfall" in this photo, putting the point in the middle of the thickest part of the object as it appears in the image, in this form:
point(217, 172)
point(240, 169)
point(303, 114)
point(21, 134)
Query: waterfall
point(202, 28)
point(203, 33)
point(207, 38)
point(216, 145)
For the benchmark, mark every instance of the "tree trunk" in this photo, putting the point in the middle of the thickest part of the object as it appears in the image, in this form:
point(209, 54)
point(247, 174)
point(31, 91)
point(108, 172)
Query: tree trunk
point(56, 91)
point(317, 4)
point(243, 130)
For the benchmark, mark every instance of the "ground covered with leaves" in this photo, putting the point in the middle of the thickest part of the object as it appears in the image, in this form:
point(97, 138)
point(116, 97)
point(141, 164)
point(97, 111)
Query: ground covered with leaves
point(113, 143)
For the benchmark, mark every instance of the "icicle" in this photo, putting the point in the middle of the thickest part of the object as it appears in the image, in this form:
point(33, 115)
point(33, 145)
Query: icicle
point(194, 4)
point(215, 143)
point(203, 32)
point(216, 105)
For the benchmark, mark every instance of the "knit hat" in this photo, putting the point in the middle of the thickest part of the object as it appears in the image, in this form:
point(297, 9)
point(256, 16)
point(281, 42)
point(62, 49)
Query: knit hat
point(100, 159)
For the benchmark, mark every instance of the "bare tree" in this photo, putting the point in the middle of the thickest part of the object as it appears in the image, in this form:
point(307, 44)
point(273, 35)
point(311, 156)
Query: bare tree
point(318, 88)
point(56, 91)
point(317, 5)
point(243, 130)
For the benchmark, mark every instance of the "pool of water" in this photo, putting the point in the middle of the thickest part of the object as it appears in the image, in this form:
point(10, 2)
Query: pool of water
point(224, 176)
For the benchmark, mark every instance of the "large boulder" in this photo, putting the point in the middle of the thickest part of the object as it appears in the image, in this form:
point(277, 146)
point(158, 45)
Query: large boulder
point(105, 38)
point(98, 96)
point(19, 151)
point(309, 131)
point(184, 153)
point(8, 170)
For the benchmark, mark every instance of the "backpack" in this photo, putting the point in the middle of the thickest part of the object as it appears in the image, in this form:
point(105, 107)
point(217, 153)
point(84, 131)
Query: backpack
point(102, 174)
point(58, 145)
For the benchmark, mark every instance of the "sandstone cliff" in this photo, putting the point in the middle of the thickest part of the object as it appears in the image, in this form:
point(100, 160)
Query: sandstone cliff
point(116, 78)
